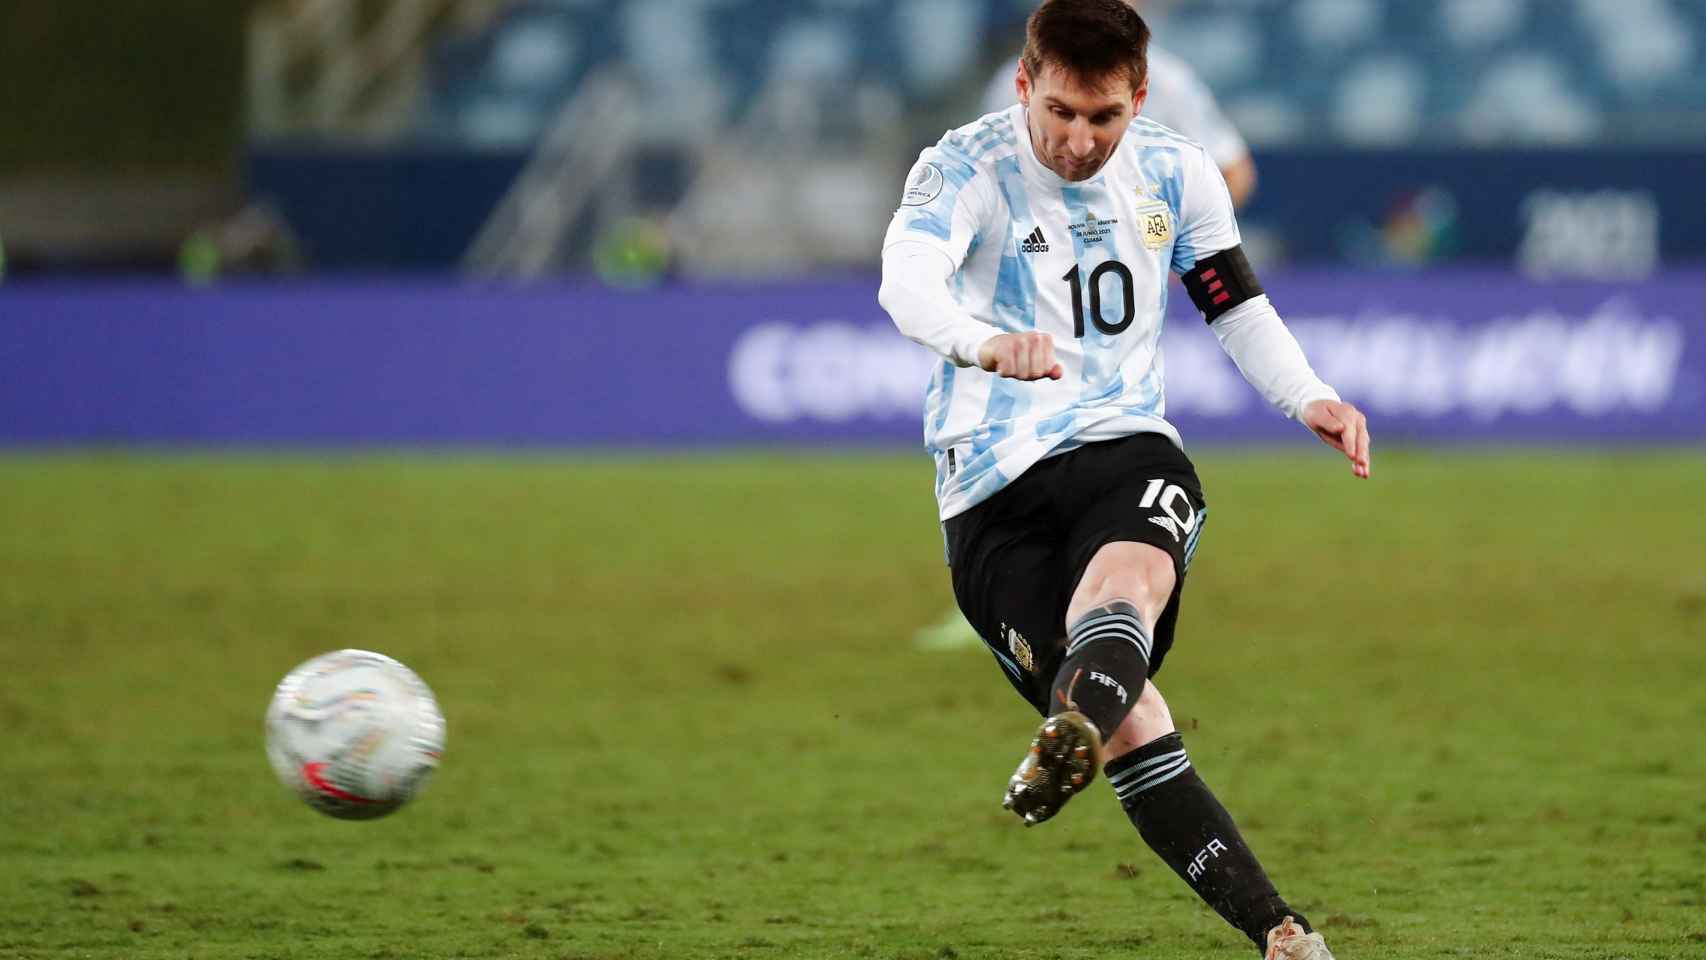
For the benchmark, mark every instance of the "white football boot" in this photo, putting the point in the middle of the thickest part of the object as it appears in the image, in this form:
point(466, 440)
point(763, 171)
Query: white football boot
point(1288, 942)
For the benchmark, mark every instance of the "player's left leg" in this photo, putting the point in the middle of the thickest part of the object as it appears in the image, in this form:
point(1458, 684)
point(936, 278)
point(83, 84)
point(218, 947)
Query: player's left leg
point(1188, 828)
point(1169, 804)
point(1133, 585)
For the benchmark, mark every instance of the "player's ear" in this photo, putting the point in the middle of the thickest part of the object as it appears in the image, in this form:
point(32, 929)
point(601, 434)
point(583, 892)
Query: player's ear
point(1022, 83)
point(1139, 96)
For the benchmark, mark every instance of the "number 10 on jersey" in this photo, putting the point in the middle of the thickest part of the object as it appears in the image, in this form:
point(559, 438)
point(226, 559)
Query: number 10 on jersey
point(1074, 280)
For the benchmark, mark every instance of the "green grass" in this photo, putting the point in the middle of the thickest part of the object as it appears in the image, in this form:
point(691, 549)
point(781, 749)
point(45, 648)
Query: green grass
point(1459, 711)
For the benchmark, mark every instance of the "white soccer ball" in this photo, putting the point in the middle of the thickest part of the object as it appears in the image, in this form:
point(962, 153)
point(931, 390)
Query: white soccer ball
point(354, 734)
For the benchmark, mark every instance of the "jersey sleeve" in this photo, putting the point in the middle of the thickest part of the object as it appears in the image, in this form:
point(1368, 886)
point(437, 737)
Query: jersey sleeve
point(946, 203)
point(1206, 223)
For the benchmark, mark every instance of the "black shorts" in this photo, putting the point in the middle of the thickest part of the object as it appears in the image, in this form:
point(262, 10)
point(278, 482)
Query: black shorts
point(1017, 557)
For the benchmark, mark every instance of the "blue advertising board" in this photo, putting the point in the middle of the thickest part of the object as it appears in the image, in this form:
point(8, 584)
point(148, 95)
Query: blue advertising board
point(1444, 356)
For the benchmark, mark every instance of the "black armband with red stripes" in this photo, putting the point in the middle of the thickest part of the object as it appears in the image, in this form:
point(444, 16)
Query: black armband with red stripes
point(1219, 283)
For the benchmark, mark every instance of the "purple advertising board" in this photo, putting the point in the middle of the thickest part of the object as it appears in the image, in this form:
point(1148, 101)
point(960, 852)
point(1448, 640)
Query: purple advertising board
point(1432, 357)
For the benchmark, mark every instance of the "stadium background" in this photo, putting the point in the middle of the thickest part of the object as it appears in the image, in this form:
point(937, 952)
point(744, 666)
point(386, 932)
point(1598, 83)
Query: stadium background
point(535, 342)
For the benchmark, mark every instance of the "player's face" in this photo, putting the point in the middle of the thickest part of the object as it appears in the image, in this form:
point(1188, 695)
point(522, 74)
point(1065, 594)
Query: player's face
point(1076, 124)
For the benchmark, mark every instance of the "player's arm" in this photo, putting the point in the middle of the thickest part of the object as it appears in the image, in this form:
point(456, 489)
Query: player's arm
point(1251, 332)
point(915, 293)
point(943, 211)
point(1236, 308)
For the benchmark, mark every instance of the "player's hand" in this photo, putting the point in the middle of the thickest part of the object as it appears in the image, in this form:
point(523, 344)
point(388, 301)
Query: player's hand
point(1021, 356)
point(1343, 427)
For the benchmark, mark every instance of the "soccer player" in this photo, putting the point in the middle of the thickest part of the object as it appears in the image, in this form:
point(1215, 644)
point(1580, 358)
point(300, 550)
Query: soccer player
point(1178, 98)
point(1031, 250)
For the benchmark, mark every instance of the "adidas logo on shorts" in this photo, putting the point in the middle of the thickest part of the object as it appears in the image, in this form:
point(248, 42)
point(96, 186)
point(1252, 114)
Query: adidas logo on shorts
point(1034, 243)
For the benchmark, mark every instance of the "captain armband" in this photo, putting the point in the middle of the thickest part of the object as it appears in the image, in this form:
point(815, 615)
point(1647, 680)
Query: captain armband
point(1219, 283)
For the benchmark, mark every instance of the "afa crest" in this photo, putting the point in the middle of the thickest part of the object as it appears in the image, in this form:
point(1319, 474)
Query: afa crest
point(1020, 649)
point(1156, 227)
point(1154, 219)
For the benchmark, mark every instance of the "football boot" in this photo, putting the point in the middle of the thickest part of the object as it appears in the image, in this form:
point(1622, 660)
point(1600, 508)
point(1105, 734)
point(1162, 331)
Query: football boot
point(1062, 761)
point(1288, 942)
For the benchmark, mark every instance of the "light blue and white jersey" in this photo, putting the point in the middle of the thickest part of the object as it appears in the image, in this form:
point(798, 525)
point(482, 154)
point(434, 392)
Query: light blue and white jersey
point(1085, 261)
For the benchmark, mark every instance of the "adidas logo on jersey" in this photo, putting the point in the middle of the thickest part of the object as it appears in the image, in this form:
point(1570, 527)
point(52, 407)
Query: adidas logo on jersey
point(1034, 243)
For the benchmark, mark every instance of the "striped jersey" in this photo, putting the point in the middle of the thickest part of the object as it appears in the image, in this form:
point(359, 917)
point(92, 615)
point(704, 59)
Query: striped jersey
point(1086, 262)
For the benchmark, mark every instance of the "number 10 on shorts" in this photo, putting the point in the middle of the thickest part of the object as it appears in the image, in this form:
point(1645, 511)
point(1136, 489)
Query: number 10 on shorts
point(1170, 496)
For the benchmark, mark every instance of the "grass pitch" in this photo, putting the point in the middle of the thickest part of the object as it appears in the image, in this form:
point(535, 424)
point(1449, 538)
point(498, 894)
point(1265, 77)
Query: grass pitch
point(1459, 710)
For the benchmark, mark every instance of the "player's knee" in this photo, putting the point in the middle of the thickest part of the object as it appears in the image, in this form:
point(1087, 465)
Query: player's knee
point(1135, 572)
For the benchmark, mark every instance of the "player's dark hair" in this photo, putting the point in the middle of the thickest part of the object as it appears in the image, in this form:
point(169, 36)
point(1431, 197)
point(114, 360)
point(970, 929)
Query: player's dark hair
point(1091, 39)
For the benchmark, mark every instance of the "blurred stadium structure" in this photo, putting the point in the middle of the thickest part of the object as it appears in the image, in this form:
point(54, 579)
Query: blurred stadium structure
point(1472, 128)
point(763, 137)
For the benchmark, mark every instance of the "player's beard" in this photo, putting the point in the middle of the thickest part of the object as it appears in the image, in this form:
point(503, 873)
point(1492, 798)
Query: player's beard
point(1080, 171)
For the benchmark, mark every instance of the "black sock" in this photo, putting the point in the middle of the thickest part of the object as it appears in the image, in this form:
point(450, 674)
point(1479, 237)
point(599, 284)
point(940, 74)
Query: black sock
point(1187, 827)
point(1106, 663)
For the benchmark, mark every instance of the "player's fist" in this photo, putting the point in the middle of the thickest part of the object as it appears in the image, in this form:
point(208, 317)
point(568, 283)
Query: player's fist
point(1343, 427)
point(1021, 356)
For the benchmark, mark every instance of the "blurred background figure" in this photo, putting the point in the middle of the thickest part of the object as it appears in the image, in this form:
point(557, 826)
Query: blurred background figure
point(1177, 98)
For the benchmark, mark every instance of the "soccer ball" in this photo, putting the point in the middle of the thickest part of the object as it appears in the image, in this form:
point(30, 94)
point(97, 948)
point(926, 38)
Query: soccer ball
point(354, 734)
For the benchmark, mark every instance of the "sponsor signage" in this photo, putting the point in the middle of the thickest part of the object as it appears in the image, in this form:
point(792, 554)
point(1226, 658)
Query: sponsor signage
point(1440, 357)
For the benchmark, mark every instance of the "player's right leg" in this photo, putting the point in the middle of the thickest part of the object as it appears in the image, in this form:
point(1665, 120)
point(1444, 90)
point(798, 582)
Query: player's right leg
point(1129, 513)
point(1100, 678)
